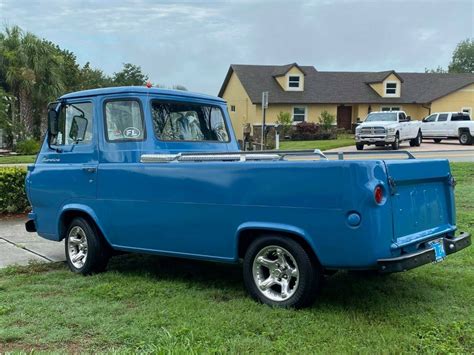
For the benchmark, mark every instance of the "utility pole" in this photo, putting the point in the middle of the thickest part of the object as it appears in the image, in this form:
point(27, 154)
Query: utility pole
point(264, 109)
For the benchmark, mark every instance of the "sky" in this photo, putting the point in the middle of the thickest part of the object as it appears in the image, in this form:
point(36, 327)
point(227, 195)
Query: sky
point(192, 43)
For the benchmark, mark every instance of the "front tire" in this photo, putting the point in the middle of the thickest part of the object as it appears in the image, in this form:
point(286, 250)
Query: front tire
point(279, 272)
point(359, 146)
point(465, 138)
point(86, 251)
point(396, 143)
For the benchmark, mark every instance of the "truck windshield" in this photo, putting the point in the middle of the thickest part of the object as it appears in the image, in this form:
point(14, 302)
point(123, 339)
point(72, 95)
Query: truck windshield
point(382, 116)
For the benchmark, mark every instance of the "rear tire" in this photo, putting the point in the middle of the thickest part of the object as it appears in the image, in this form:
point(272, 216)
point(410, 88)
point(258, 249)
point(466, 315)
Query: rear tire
point(86, 251)
point(465, 138)
point(396, 143)
point(437, 140)
point(359, 146)
point(279, 272)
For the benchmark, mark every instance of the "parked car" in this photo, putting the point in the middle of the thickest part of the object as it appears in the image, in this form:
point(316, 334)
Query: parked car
point(388, 128)
point(159, 171)
point(449, 125)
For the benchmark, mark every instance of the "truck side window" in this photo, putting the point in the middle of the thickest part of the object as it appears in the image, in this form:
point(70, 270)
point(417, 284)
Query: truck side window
point(124, 121)
point(65, 119)
point(431, 118)
point(460, 117)
point(174, 121)
point(443, 117)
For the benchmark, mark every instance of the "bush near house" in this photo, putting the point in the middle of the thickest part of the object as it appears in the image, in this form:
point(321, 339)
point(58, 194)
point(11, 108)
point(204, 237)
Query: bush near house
point(28, 147)
point(12, 191)
point(305, 131)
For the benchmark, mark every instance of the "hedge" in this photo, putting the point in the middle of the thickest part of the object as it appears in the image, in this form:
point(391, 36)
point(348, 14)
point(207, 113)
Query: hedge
point(12, 191)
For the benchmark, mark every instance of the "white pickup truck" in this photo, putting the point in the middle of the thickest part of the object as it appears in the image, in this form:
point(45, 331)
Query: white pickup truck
point(388, 128)
point(449, 125)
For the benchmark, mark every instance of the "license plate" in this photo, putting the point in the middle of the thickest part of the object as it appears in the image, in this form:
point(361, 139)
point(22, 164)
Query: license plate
point(372, 139)
point(438, 247)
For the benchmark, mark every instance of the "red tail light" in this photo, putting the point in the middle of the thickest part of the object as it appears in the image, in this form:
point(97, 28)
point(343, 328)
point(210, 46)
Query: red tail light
point(378, 194)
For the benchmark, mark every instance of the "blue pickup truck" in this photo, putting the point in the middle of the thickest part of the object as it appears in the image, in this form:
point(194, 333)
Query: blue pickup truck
point(148, 170)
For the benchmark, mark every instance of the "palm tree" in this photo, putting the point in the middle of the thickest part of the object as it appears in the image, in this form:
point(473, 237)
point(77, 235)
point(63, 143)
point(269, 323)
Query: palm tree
point(32, 69)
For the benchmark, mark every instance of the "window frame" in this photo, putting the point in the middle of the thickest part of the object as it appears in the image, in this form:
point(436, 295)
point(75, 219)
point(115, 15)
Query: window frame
point(224, 117)
point(123, 140)
point(386, 87)
point(294, 88)
point(74, 102)
point(391, 108)
point(445, 115)
point(293, 114)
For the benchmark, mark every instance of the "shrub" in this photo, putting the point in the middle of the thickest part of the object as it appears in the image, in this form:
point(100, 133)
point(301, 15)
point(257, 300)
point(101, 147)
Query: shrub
point(285, 121)
point(28, 146)
point(12, 191)
point(327, 120)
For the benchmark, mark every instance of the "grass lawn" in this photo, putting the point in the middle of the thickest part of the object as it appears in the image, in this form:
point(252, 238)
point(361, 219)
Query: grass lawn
point(146, 303)
point(342, 141)
point(17, 159)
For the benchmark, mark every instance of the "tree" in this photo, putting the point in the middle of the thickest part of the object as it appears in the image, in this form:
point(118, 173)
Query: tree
point(284, 120)
point(463, 58)
point(90, 78)
point(326, 120)
point(130, 75)
point(438, 70)
point(32, 71)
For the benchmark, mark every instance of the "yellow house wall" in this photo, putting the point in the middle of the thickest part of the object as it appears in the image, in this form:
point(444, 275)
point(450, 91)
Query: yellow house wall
point(455, 101)
point(313, 111)
point(236, 95)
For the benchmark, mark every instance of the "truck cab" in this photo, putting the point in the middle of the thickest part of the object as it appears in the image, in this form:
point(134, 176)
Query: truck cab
point(388, 128)
point(449, 125)
point(159, 171)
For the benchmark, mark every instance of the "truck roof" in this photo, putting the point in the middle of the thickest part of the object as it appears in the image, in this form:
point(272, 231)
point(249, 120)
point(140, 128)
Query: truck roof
point(139, 90)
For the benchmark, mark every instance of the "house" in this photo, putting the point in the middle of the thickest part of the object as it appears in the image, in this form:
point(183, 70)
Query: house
point(305, 92)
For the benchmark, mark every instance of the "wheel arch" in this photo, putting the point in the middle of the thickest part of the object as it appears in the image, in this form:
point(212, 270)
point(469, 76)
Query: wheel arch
point(71, 211)
point(463, 129)
point(248, 232)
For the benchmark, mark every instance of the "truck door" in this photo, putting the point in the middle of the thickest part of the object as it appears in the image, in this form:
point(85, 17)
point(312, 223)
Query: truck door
point(404, 129)
point(441, 125)
point(66, 171)
point(427, 125)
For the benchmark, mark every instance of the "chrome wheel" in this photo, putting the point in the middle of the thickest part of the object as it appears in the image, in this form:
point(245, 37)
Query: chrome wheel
point(275, 273)
point(463, 138)
point(77, 246)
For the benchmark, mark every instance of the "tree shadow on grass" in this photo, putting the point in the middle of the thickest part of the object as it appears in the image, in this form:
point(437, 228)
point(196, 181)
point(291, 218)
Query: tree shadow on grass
point(343, 291)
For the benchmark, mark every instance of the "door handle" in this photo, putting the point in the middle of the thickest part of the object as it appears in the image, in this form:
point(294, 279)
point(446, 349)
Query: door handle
point(89, 169)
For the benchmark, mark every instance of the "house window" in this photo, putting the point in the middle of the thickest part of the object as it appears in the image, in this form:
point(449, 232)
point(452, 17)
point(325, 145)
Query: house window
point(390, 88)
point(299, 114)
point(390, 108)
point(232, 108)
point(294, 82)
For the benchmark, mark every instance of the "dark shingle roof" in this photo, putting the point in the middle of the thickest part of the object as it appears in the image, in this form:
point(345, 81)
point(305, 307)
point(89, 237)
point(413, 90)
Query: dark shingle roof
point(344, 87)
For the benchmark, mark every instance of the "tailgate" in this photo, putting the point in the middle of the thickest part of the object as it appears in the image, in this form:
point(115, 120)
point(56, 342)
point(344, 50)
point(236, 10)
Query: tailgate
point(422, 199)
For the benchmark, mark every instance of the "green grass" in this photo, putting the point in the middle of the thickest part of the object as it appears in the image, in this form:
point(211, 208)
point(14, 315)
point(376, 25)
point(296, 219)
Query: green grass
point(150, 304)
point(17, 159)
point(342, 141)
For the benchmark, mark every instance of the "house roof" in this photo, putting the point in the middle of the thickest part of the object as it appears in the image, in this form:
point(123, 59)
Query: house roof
point(344, 87)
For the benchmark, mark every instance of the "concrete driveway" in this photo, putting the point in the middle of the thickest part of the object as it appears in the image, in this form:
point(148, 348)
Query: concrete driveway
point(18, 247)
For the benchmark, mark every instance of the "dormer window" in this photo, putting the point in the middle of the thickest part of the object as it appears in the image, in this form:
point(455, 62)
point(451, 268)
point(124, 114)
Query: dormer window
point(294, 82)
point(391, 88)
